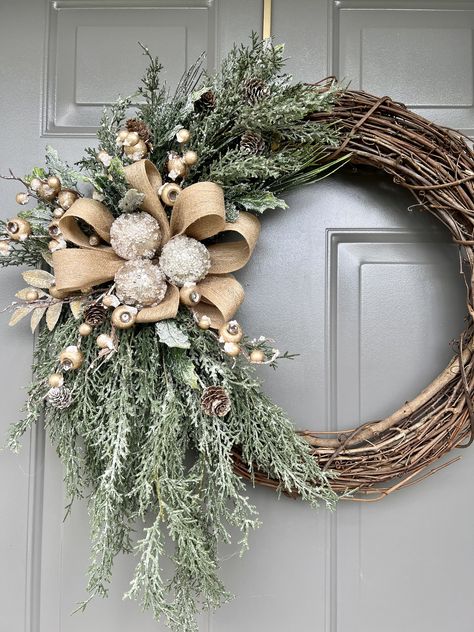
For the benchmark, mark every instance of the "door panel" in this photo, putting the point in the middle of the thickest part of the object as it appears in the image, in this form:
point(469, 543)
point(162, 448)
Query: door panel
point(366, 292)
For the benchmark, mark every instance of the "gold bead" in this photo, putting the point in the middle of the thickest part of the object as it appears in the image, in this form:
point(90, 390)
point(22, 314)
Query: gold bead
point(189, 296)
point(55, 380)
point(110, 300)
point(169, 193)
point(176, 166)
point(257, 356)
point(22, 198)
point(53, 229)
point(136, 152)
point(54, 183)
point(124, 317)
point(85, 329)
point(35, 184)
point(231, 332)
point(58, 212)
point(104, 342)
point(71, 358)
point(94, 240)
point(232, 349)
point(190, 157)
point(204, 322)
point(66, 198)
point(122, 135)
point(132, 138)
point(183, 136)
point(32, 295)
point(46, 193)
point(18, 229)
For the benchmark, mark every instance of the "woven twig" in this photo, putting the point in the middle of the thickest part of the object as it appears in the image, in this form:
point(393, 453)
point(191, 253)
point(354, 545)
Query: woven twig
point(437, 165)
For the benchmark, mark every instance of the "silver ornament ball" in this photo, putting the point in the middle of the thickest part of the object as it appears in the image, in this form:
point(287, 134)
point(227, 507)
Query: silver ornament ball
point(185, 260)
point(139, 282)
point(134, 236)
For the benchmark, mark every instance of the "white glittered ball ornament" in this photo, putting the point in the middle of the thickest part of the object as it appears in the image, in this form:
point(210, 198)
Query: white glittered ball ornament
point(139, 282)
point(185, 260)
point(135, 235)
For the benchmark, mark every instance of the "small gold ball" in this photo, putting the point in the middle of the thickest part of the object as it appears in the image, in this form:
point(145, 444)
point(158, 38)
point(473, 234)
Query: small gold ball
point(137, 151)
point(132, 138)
point(104, 341)
point(169, 193)
point(122, 135)
point(176, 167)
point(257, 356)
point(22, 198)
point(232, 349)
point(94, 240)
point(183, 136)
point(46, 193)
point(190, 157)
point(123, 317)
point(54, 183)
point(58, 212)
point(189, 296)
point(71, 358)
point(35, 184)
point(85, 329)
point(66, 198)
point(110, 300)
point(204, 322)
point(18, 229)
point(53, 229)
point(231, 332)
point(32, 295)
point(55, 380)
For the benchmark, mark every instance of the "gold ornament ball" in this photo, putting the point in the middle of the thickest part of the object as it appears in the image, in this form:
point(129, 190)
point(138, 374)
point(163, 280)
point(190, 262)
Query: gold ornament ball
point(122, 135)
point(176, 166)
point(169, 193)
point(104, 341)
point(137, 151)
point(46, 193)
point(66, 198)
point(85, 329)
point(71, 358)
point(232, 349)
point(132, 138)
point(257, 356)
point(18, 229)
point(204, 322)
point(190, 157)
point(35, 184)
point(231, 332)
point(189, 296)
point(22, 198)
point(32, 295)
point(54, 183)
point(55, 380)
point(58, 212)
point(124, 317)
point(183, 136)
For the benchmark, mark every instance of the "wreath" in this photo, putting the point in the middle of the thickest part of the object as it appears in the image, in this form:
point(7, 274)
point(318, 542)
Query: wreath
point(143, 377)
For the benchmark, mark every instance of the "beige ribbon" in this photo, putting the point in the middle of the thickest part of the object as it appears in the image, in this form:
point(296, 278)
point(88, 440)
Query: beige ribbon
point(199, 212)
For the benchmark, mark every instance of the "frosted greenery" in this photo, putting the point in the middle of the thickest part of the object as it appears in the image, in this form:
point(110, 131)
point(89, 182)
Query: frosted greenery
point(136, 444)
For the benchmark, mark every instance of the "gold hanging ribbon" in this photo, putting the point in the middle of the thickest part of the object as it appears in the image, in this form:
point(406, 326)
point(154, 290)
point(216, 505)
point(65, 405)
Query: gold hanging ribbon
point(199, 212)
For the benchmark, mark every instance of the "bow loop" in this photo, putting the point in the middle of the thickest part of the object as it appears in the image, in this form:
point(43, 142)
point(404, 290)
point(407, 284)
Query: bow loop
point(93, 213)
point(199, 211)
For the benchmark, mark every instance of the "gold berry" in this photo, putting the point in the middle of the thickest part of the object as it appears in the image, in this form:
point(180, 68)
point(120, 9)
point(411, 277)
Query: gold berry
point(232, 349)
point(176, 166)
point(94, 240)
point(183, 136)
point(124, 317)
point(35, 184)
point(18, 229)
point(169, 193)
point(54, 183)
point(204, 322)
point(104, 341)
point(122, 135)
point(110, 300)
point(55, 380)
point(257, 356)
point(66, 198)
point(53, 229)
point(190, 157)
point(137, 151)
point(231, 332)
point(189, 296)
point(22, 198)
point(58, 212)
point(46, 193)
point(32, 295)
point(85, 329)
point(71, 358)
point(132, 138)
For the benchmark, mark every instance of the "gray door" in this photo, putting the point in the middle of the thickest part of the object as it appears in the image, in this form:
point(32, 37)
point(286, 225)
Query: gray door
point(369, 297)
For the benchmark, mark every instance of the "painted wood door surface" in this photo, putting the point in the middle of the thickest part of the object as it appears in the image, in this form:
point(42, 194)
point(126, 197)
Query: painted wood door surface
point(368, 294)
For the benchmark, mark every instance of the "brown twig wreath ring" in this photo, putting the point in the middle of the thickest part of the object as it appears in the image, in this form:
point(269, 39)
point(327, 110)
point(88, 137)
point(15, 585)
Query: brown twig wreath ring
point(437, 165)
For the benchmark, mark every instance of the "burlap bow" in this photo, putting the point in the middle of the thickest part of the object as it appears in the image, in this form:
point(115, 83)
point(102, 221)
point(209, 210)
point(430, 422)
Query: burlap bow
point(199, 212)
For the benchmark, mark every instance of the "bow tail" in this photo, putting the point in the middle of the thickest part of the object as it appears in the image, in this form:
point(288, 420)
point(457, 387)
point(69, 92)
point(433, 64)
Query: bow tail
point(77, 268)
point(221, 295)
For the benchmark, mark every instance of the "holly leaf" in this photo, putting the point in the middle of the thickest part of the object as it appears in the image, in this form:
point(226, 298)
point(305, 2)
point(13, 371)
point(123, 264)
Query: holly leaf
point(18, 314)
point(260, 201)
point(52, 315)
point(38, 278)
point(36, 317)
point(171, 335)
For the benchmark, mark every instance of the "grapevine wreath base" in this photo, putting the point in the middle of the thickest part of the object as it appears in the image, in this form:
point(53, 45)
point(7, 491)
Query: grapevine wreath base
point(437, 165)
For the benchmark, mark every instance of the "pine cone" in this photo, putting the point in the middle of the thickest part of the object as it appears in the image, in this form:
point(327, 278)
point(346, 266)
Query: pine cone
point(252, 143)
point(255, 90)
point(205, 103)
point(141, 128)
point(59, 397)
point(95, 314)
point(215, 401)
